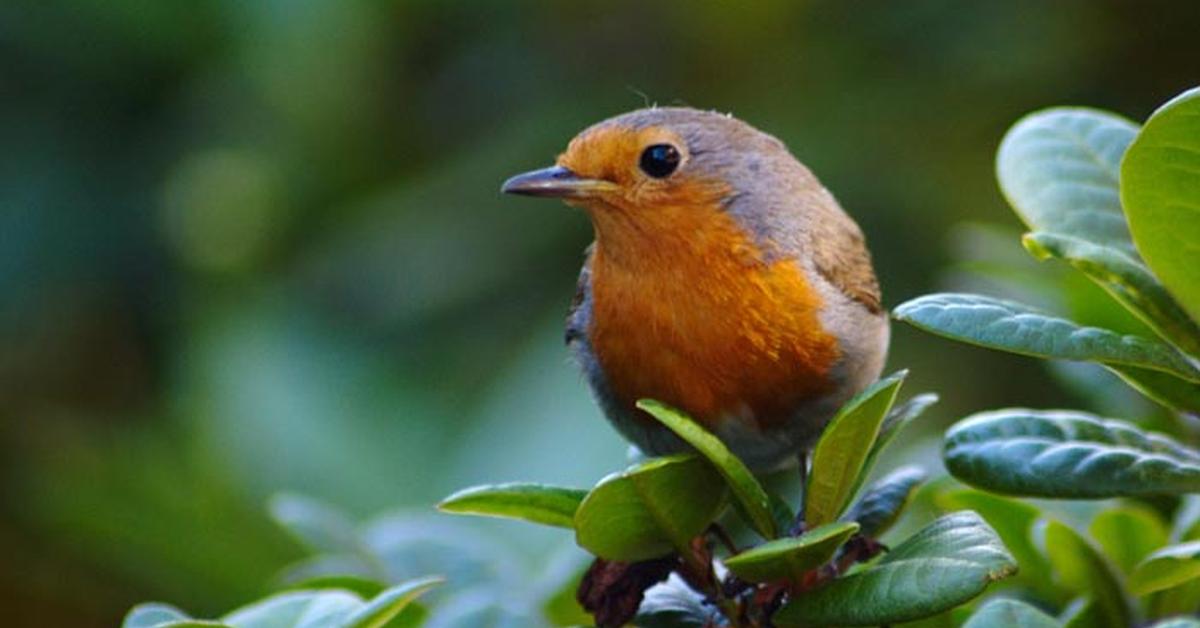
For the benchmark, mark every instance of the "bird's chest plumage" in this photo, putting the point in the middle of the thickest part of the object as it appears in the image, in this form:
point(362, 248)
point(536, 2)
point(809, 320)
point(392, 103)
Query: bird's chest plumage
point(702, 321)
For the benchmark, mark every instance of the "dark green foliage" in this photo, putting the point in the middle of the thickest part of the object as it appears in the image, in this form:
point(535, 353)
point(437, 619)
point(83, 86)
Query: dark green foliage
point(1067, 455)
point(1084, 180)
point(949, 562)
point(651, 509)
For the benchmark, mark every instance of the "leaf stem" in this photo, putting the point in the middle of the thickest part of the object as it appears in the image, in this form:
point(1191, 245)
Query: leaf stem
point(697, 571)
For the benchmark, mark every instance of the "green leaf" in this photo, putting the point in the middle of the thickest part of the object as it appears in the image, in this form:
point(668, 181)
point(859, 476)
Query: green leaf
point(1126, 279)
point(899, 417)
point(538, 503)
point(789, 558)
point(749, 494)
point(413, 616)
point(947, 563)
point(1058, 168)
point(1005, 613)
point(1128, 533)
point(650, 509)
point(1160, 189)
point(1177, 622)
point(295, 609)
point(1082, 569)
point(1010, 326)
point(1066, 454)
point(840, 457)
point(319, 526)
point(896, 420)
point(153, 614)
point(1014, 521)
point(365, 587)
point(320, 608)
point(387, 605)
point(1168, 567)
point(883, 501)
point(1186, 526)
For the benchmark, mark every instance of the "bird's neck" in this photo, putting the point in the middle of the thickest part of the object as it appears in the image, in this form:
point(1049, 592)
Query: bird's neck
point(670, 240)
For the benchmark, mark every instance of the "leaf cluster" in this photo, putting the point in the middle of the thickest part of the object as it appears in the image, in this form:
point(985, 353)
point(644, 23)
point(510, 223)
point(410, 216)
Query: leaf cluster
point(819, 566)
point(1119, 204)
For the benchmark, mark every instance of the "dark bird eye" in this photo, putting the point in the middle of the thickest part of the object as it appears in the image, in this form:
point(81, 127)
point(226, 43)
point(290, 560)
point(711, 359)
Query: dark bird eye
point(659, 160)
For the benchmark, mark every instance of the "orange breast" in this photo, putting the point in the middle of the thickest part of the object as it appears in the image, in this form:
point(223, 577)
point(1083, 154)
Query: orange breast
point(687, 311)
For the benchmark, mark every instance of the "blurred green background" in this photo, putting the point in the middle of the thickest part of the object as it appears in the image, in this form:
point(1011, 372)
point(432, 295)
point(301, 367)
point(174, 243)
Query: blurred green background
point(258, 246)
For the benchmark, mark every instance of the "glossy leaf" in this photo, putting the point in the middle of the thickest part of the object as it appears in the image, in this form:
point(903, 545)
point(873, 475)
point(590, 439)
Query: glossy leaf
point(1168, 567)
point(318, 608)
point(750, 495)
point(882, 502)
point(195, 623)
point(947, 563)
point(1127, 279)
point(1084, 570)
point(1186, 526)
point(155, 615)
point(307, 609)
point(1010, 326)
point(899, 417)
point(365, 587)
point(1066, 455)
point(840, 457)
point(896, 420)
point(1177, 622)
point(1160, 189)
point(1058, 168)
point(1128, 533)
point(538, 503)
point(325, 567)
point(650, 509)
point(1014, 521)
point(387, 605)
point(792, 556)
point(1005, 613)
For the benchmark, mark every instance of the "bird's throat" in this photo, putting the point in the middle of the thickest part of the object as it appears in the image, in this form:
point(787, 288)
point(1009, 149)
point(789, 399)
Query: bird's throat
point(687, 310)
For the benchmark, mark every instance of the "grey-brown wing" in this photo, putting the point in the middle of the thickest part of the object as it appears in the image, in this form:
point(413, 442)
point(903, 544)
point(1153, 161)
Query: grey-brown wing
point(841, 256)
point(577, 314)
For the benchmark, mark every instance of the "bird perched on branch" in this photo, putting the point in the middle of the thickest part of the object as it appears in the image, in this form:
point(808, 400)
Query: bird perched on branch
point(724, 280)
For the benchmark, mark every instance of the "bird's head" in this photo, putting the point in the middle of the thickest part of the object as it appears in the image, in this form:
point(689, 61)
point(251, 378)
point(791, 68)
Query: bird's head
point(645, 170)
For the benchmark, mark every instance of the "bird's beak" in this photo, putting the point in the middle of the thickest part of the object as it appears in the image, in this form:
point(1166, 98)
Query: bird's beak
point(556, 182)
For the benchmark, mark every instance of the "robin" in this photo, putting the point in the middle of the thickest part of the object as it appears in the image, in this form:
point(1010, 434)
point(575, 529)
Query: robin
point(724, 280)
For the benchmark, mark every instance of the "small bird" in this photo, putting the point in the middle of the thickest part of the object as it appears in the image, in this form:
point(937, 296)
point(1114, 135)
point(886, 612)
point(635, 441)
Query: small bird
point(724, 280)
